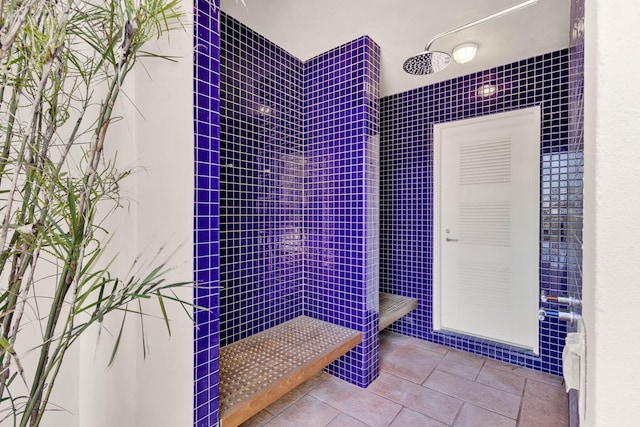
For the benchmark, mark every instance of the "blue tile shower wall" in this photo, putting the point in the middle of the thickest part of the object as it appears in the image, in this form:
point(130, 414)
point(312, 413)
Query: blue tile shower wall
point(206, 212)
point(261, 218)
point(406, 256)
point(272, 106)
point(341, 95)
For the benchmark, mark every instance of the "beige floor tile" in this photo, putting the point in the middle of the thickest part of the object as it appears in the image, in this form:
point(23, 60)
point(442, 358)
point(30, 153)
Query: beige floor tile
point(486, 397)
point(424, 400)
point(545, 391)
point(407, 361)
point(525, 372)
point(409, 418)
point(462, 364)
point(448, 395)
point(544, 405)
point(344, 420)
point(285, 401)
point(305, 412)
point(258, 420)
point(474, 416)
point(356, 402)
point(395, 338)
point(501, 380)
point(313, 381)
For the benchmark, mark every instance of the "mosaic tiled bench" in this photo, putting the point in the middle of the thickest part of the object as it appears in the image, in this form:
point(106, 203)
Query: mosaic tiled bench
point(258, 370)
point(393, 307)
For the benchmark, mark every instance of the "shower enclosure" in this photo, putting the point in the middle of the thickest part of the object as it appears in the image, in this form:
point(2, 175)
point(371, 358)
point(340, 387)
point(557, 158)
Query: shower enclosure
point(312, 195)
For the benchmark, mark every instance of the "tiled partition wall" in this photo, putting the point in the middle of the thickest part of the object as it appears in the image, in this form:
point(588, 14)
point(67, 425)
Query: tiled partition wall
point(407, 121)
point(261, 179)
point(298, 172)
point(206, 212)
point(576, 149)
point(341, 198)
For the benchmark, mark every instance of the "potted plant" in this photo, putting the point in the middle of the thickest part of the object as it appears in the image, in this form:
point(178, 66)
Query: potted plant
point(63, 64)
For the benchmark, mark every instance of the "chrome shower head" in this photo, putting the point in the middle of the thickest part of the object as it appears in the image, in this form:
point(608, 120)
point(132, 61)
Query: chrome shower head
point(426, 62)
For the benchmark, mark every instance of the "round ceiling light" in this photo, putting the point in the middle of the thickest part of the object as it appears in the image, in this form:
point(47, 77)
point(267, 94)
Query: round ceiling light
point(465, 52)
point(486, 90)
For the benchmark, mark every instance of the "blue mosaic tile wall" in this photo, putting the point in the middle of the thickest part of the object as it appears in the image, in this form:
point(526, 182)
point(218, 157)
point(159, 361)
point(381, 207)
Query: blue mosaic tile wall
point(406, 215)
point(206, 212)
point(299, 174)
point(341, 198)
point(261, 187)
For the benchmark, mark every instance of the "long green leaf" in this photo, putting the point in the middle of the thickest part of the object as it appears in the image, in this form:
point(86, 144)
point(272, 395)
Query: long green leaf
point(164, 312)
point(116, 345)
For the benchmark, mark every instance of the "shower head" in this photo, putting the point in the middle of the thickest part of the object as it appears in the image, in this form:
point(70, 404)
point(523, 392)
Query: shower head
point(429, 62)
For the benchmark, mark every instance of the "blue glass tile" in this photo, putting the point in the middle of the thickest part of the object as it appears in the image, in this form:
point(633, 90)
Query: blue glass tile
point(406, 174)
point(206, 112)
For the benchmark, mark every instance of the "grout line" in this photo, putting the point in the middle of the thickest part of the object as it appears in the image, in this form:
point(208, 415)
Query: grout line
point(499, 389)
point(351, 416)
point(424, 383)
point(484, 362)
point(464, 402)
point(337, 415)
point(521, 398)
point(396, 416)
point(521, 402)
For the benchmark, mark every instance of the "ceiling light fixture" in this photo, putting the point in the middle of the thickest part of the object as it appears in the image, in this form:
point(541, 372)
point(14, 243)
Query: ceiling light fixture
point(465, 52)
point(486, 90)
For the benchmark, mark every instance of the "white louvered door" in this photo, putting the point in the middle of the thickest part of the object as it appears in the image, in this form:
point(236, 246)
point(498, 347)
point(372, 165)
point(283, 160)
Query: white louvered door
point(486, 222)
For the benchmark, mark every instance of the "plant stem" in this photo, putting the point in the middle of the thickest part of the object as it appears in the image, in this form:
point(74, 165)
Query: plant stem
point(52, 56)
point(13, 107)
point(33, 406)
point(10, 30)
point(21, 153)
point(71, 265)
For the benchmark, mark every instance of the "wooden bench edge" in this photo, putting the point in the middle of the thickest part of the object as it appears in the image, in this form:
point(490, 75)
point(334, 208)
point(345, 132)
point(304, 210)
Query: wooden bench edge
point(399, 314)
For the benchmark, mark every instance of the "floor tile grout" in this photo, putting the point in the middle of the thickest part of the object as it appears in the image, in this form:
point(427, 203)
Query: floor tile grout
point(457, 414)
point(522, 399)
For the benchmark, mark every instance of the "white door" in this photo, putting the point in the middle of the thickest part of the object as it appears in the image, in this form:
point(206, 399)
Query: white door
point(486, 222)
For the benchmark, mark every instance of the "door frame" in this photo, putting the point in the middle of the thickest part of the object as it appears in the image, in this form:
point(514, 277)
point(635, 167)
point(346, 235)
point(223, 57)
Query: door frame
point(438, 128)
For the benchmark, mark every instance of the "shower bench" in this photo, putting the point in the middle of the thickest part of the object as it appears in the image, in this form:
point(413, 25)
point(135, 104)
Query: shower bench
point(393, 307)
point(258, 370)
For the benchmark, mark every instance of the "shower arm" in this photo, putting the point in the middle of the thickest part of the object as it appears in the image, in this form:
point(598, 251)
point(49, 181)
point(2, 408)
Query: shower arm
point(481, 21)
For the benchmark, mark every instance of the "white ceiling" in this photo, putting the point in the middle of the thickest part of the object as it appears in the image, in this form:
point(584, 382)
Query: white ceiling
point(402, 28)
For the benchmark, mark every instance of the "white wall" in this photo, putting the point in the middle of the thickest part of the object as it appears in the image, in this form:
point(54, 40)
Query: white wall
point(612, 205)
point(157, 140)
point(165, 196)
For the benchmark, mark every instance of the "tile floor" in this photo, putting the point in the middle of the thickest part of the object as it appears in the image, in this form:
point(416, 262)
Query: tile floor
point(422, 385)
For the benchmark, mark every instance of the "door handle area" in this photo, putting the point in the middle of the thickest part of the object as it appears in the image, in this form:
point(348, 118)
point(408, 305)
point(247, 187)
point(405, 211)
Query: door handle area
point(449, 239)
